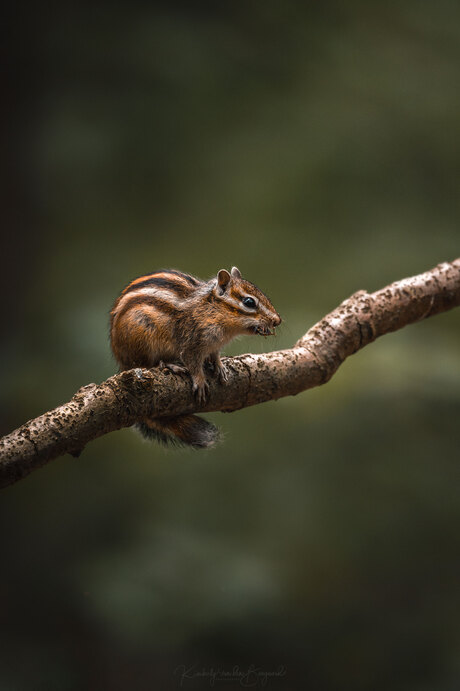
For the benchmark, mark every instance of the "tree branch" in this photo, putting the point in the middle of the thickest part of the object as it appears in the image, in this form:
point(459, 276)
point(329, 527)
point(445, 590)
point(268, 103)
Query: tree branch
point(125, 398)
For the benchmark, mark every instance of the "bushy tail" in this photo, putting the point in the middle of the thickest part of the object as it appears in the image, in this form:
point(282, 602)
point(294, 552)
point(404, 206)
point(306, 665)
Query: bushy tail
point(189, 430)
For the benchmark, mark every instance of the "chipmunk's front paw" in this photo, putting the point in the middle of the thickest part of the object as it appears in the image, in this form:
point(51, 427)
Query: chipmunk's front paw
point(201, 390)
point(217, 369)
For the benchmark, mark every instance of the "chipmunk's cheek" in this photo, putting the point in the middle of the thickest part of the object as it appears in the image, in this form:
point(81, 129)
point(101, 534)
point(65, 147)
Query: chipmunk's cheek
point(248, 324)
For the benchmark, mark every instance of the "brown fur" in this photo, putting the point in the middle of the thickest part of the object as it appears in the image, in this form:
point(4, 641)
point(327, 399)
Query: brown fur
point(170, 317)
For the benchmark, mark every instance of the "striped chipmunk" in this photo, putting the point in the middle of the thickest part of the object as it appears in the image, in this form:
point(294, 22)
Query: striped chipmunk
point(171, 319)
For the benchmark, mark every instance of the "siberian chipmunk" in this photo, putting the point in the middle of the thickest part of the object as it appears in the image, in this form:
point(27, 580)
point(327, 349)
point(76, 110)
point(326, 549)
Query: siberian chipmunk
point(171, 319)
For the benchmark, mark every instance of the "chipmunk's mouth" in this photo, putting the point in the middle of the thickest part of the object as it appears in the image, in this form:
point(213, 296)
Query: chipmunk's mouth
point(264, 330)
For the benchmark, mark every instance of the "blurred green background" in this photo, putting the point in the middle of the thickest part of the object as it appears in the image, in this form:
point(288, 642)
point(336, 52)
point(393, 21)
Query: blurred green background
point(317, 147)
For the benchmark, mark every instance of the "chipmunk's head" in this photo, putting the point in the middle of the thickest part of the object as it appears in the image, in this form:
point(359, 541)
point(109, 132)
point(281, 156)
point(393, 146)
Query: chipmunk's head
point(250, 311)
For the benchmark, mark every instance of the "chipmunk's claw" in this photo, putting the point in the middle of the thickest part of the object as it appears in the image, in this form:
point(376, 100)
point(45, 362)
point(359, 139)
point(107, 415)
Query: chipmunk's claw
point(201, 391)
point(222, 374)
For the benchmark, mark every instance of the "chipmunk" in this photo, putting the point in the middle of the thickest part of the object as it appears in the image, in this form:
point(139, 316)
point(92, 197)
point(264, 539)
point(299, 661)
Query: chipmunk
point(171, 319)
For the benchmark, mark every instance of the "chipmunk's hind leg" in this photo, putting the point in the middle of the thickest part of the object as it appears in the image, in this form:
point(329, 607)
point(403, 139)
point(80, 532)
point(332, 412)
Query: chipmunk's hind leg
point(173, 367)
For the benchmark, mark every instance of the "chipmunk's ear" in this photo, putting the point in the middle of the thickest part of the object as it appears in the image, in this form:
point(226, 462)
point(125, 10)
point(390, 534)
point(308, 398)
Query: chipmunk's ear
point(236, 273)
point(223, 279)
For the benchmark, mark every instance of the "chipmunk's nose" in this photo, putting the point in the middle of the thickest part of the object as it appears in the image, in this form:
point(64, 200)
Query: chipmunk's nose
point(277, 320)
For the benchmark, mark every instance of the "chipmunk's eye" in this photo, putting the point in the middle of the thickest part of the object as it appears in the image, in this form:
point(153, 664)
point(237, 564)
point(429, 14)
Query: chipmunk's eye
point(249, 302)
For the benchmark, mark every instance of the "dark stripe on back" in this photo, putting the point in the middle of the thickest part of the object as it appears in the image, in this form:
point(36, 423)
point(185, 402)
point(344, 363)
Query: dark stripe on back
point(157, 302)
point(190, 279)
point(159, 282)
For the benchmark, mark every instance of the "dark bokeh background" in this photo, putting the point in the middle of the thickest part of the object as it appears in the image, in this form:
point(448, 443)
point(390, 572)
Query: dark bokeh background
point(316, 146)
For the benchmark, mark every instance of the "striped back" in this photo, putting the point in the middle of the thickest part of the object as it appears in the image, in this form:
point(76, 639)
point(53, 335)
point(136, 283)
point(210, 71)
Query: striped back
point(164, 290)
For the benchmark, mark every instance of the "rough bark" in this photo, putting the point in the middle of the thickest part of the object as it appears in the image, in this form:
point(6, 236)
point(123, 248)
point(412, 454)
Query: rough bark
point(125, 398)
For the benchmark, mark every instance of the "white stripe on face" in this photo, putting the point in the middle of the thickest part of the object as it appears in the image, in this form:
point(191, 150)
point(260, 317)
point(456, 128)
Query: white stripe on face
point(265, 311)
